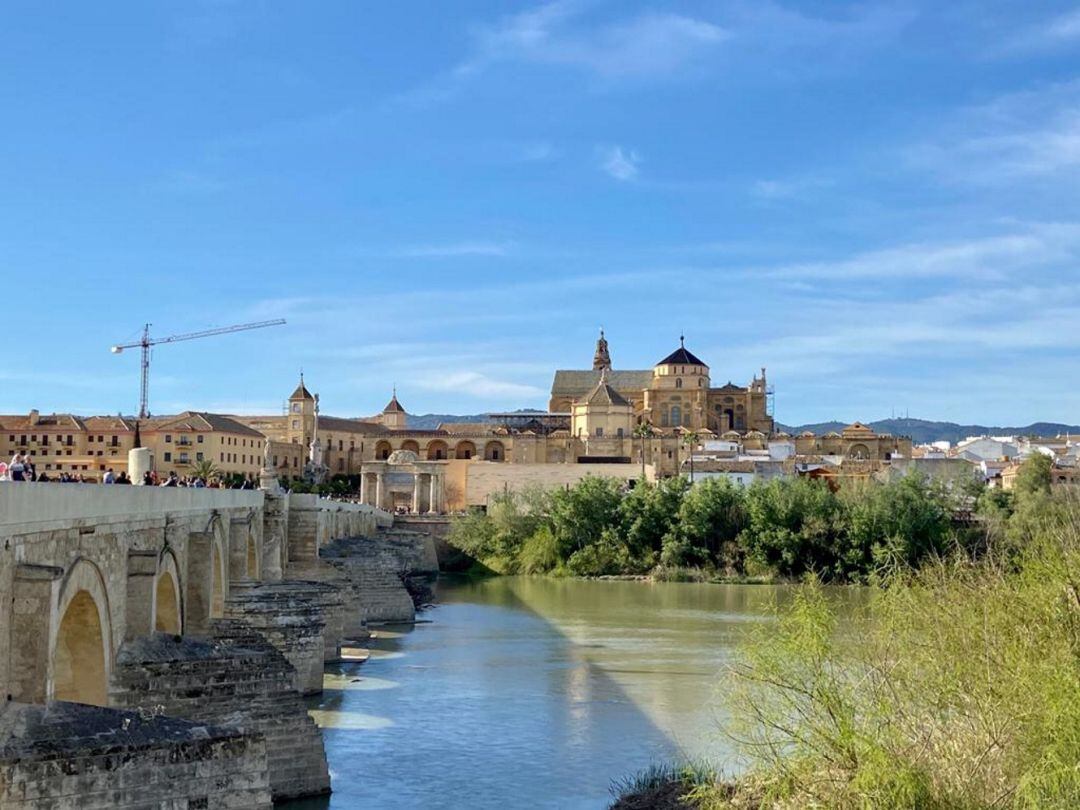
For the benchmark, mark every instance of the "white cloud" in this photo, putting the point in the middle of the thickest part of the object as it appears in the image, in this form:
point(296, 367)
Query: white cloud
point(652, 44)
point(619, 163)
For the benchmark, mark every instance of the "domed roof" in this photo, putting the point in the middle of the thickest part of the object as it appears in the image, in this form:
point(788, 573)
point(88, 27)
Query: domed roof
point(402, 457)
point(681, 357)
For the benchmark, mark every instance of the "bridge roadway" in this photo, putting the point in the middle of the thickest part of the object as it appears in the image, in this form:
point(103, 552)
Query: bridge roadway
point(101, 584)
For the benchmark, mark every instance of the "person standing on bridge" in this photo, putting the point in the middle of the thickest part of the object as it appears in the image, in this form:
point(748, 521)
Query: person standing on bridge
point(18, 468)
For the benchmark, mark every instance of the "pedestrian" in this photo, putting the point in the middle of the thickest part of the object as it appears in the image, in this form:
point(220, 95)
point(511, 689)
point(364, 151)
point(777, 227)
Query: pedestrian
point(109, 477)
point(17, 468)
point(147, 479)
point(122, 478)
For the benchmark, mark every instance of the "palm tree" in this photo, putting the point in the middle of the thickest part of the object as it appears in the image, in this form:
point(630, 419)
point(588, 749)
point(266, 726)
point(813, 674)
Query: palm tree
point(204, 469)
point(690, 439)
point(643, 431)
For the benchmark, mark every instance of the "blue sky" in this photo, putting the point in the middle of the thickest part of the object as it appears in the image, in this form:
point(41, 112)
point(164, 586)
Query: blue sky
point(877, 201)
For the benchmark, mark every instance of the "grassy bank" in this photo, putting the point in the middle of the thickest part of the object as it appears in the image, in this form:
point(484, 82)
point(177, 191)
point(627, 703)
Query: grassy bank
point(958, 687)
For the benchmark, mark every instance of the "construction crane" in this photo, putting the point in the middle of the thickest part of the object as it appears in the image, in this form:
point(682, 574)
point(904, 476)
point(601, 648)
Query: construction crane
point(146, 342)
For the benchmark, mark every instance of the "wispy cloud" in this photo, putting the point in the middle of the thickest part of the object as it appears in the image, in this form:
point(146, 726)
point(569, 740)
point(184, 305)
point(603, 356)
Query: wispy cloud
point(1055, 32)
point(1038, 246)
point(1027, 135)
point(451, 249)
point(622, 164)
point(649, 45)
point(480, 386)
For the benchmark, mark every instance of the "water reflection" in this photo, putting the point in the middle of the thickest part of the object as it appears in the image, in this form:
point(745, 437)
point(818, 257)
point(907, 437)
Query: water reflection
point(529, 692)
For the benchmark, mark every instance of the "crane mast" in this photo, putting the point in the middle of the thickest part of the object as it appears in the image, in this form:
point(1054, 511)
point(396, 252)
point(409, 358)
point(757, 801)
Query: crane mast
point(146, 342)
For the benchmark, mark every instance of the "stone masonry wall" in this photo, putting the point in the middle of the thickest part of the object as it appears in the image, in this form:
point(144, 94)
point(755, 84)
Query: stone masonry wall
point(67, 756)
point(237, 680)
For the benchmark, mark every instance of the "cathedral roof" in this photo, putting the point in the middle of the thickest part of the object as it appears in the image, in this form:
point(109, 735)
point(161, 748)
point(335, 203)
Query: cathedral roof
point(575, 383)
point(681, 357)
point(604, 394)
point(393, 406)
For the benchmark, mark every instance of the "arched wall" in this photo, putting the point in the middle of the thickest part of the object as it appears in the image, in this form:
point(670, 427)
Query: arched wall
point(219, 573)
point(437, 450)
point(168, 605)
point(465, 450)
point(81, 649)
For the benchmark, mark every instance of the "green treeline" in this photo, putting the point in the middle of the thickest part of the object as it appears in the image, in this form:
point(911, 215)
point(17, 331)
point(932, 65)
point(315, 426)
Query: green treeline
point(782, 528)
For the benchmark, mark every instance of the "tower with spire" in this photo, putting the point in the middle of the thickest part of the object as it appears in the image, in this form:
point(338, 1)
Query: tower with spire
point(301, 416)
point(393, 415)
point(601, 359)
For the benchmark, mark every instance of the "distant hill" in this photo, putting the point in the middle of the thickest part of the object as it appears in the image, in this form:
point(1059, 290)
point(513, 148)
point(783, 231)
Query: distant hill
point(923, 431)
point(430, 421)
point(920, 430)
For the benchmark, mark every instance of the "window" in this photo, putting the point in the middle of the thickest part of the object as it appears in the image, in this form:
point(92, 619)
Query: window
point(45, 439)
point(68, 442)
point(199, 438)
point(222, 456)
point(101, 438)
point(619, 432)
point(168, 456)
point(599, 432)
point(115, 441)
point(296, 407)
point(198, 456)
point(340, 445)
point(295, 424)
point(168, 440)
point(183, 458)
point(676, 415)
point(678, 382)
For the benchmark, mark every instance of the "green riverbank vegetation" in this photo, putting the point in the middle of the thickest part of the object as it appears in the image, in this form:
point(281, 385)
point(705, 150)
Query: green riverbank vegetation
point(780, 529)
point(957, 686)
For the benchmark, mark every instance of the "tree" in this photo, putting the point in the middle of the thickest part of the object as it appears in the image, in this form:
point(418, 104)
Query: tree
point(643, 431)
point(709, 520)
point(204, 469)
point(1034, 476)
point(690, 440)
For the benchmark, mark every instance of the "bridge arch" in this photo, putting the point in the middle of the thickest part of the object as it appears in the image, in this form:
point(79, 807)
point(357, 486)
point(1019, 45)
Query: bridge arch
point(81, 659)
point(168, 609)
point(219, 560)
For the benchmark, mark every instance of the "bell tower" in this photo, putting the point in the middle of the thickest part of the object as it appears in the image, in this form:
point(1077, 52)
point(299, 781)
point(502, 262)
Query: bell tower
point(300, 425)
point(601, 359)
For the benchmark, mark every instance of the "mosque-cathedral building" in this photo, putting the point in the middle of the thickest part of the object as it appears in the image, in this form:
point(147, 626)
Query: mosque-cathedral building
point(602, 420)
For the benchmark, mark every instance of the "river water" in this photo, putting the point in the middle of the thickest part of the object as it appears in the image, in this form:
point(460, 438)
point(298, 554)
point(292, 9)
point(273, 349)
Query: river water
point(534, 693)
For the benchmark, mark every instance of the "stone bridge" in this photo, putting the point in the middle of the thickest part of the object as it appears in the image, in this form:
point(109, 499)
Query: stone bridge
point(194, 619)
